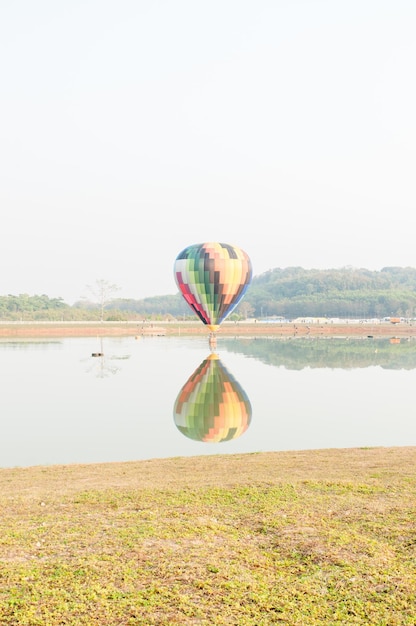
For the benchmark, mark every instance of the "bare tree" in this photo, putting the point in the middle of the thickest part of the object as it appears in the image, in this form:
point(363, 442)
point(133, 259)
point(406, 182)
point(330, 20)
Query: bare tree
point(103, 293)
point(246, 309)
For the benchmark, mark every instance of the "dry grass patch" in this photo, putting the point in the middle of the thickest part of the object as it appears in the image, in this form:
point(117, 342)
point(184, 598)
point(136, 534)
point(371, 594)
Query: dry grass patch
point(299, 538)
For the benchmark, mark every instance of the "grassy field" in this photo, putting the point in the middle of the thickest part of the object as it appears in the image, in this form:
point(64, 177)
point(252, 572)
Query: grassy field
point(298, 538)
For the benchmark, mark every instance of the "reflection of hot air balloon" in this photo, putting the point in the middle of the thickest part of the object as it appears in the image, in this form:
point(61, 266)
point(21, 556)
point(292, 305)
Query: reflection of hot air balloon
point(212, 406)
point(212, 277)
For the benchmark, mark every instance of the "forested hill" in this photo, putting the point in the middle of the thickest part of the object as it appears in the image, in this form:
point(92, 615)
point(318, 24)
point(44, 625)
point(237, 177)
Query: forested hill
point(346, 292)
point(290, 292)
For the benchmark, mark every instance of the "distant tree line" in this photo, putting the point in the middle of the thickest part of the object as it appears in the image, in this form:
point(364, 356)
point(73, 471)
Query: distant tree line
point(28, 307)
point(348, 292)
point(291, 292)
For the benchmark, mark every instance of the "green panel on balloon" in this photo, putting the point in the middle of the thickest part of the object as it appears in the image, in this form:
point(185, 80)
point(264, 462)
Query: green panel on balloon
point(212, 406)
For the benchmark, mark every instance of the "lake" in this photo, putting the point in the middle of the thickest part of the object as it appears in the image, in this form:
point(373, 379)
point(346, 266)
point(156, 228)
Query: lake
point(157, 397)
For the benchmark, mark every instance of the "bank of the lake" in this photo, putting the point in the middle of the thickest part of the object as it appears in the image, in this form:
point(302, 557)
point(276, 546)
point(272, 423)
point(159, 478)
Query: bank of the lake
point(237, 329)
point(314, 537)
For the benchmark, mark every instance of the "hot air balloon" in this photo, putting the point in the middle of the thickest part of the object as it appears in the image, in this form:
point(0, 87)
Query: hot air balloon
point(212, 277)
point(212, 406)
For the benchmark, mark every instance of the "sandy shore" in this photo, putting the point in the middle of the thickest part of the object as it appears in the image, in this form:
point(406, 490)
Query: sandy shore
point(120, 329)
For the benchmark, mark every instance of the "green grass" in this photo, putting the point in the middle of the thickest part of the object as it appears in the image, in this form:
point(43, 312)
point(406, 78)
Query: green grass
point(308, 538)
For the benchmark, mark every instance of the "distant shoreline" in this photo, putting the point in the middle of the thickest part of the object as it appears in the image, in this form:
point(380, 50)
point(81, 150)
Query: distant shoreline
point(236, 329)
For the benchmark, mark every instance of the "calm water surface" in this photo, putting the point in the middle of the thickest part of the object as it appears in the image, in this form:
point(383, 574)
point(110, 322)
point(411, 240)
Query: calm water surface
point(158, 397)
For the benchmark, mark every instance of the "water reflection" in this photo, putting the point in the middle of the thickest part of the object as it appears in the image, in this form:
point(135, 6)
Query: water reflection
point(212, 406)
point(29, 344)
point(101, 364)
point(345, 353)
point(304, 394)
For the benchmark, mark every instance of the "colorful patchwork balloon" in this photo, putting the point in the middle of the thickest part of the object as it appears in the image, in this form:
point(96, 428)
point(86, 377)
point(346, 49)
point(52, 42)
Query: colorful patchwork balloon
point(212, 406)
point(212, 277)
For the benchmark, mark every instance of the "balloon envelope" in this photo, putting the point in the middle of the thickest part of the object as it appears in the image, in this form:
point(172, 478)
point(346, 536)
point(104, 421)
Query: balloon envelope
point(212, 406)
point(212, 277)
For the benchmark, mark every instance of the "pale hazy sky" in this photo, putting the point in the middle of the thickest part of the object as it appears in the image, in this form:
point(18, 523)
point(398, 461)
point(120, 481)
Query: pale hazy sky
point(130, 129)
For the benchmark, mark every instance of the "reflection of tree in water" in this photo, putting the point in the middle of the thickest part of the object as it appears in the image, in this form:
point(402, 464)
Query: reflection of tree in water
point(212, 406)
point(103, 365)
point(32, 344)
point(345, 353)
